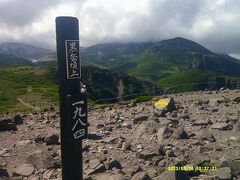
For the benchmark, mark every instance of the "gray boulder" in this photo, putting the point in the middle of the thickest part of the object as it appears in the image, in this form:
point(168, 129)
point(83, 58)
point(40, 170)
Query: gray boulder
point(7, 125)
point(24, 169)
point(224, 173)
point(173, 175)
point(52, 139)
point(141, 176)
point(43, 160)
point(164, 133)
point(139, 119)
point(18, 119)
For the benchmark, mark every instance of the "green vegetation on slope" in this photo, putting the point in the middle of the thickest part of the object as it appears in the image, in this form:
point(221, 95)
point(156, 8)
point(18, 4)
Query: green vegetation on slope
point(23, 87)
point(166, 62)
point(10, 60)
point(27, 83)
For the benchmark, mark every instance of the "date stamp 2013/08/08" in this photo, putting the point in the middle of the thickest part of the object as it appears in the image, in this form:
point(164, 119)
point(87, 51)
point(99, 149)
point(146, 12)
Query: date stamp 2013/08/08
point(192, 168)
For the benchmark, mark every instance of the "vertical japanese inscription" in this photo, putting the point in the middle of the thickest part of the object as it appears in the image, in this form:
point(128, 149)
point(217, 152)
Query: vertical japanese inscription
point(72, 59)
point(78, 116)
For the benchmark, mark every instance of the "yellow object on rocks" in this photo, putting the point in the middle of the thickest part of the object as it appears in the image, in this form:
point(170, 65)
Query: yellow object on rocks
point(164, 106)
point(162, 103)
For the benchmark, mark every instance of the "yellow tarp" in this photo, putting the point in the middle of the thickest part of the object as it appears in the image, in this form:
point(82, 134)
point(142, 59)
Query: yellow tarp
point(162, 103)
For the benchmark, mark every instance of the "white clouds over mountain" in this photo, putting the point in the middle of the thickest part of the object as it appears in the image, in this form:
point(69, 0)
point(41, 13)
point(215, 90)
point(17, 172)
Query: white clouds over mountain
point(212, 23)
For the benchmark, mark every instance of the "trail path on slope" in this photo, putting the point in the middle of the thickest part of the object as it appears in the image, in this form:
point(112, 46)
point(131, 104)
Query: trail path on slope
point(27, 104)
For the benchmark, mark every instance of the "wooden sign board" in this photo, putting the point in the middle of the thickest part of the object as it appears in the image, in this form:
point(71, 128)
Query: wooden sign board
point(77, 108)
point(72, 59)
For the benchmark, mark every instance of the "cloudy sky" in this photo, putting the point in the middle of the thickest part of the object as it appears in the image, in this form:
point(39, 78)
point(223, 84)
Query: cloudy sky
point(213, 23)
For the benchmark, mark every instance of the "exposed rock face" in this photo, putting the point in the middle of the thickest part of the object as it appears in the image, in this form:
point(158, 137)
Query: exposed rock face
point(132, 140)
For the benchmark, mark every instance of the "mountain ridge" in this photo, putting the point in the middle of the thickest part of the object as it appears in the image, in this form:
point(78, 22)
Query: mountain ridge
point(24, 50)
point(160, 61)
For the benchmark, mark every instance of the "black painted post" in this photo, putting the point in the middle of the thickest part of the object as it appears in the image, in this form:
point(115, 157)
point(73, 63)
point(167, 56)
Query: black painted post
point(73, 103)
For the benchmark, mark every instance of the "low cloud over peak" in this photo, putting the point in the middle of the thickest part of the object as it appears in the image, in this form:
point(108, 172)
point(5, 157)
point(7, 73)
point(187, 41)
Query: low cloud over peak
point(211, 23)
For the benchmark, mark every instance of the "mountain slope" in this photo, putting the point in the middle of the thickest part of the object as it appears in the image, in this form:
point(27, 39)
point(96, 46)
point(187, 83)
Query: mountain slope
point(10, 60)
point(112, 54)
point(24, 51)
point(161, 61)
point(176, 56)
point(37, 85)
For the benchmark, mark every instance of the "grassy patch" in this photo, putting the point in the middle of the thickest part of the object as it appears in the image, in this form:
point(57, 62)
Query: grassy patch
point(31, 84)
point(143, 99)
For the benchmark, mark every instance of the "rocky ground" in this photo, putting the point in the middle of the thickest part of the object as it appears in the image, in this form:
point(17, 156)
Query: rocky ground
point(133, 140)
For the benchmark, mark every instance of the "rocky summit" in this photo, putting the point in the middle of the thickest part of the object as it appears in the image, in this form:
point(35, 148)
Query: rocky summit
point(197, 139)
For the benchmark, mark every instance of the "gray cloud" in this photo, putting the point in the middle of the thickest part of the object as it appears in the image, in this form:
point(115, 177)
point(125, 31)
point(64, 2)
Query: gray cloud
point(211, 23)
point(22, 12)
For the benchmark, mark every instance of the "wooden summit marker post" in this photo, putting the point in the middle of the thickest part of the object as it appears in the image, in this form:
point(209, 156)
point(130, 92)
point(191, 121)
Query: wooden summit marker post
point(73, 102)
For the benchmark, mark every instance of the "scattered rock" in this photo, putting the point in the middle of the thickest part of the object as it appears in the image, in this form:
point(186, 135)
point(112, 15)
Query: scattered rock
point(23, 142)
point(39, 139)
point(117, 149)
point(113, 163)
point(7, 125)
point(200, 123)
point(198, 158)
point(52, 174)
point(233, 164)
point(129, 126)
point(234, 138)
point(99, 126)
point(110, 140)
point(148, 154)
point(173, 175)
point(52, 139)
point(43, 160)
point(237, 127)
point(139, 146)
point(170, 153)
point(99, 168)
point(24, 169)
point(157, 159)
point(180, 133)
point(224, 173)
point(4, 151)
point(164, 133)
point(141, 176)
point(222, 100)
point(3, 173)
point(34, 177)
point(198, 142)
point(221, 126)
point(132, 104)
point(126, 146)
point(136, 170)
point(208, 137)
point(139, 119)
point(18, 119)
point(110, 176)
point(147, 130)
point(237, 99)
